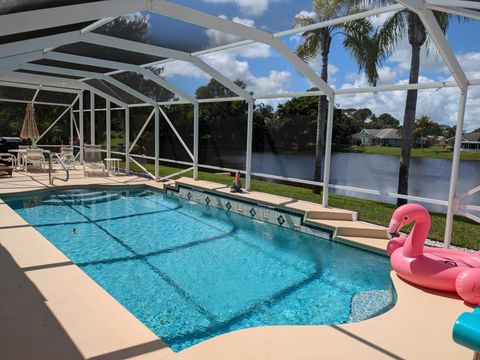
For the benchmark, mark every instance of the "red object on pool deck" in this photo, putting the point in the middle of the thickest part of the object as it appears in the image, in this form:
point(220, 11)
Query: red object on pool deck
point(237, 177)
point(434, 268)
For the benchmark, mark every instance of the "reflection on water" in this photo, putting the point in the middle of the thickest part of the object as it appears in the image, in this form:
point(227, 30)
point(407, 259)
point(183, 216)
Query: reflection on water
point(428, 177)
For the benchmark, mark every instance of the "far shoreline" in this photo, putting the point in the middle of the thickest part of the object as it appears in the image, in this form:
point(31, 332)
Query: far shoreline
point(434, 152)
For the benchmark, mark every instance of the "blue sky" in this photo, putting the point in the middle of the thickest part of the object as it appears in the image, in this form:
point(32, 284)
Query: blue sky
point(265, 71)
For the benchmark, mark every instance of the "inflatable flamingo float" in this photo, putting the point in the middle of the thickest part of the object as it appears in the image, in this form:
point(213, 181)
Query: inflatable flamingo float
point(434, 268)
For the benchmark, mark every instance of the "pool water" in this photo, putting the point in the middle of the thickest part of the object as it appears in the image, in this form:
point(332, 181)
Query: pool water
point(190, 272)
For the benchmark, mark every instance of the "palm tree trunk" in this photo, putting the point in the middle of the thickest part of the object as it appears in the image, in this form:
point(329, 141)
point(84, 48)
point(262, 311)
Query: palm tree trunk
point(321, 124)
point(408, 125)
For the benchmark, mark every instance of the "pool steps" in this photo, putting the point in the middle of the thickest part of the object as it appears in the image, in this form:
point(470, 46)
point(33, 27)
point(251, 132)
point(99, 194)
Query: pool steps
point(353, 228)
point(96, 197)
point(344, 224)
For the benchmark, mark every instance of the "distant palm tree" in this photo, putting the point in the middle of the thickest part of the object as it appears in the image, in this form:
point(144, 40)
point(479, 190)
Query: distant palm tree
point(317, 42)
point(386, 38)
point(422, 125)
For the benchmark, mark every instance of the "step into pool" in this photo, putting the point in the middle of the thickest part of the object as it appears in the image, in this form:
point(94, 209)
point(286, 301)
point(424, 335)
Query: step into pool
point(190, 271)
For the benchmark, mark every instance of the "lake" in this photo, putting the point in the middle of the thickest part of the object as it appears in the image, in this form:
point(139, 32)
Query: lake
point(428, 177)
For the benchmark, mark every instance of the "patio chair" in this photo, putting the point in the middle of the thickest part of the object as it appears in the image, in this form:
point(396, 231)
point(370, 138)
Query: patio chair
point(67, 156)
point(34, 157)
point(92, 160)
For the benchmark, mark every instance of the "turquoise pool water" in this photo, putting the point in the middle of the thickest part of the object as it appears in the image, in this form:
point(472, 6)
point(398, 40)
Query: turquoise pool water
point(190, 272)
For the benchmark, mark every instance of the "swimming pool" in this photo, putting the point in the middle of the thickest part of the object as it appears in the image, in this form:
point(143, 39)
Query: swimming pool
point(190, 271)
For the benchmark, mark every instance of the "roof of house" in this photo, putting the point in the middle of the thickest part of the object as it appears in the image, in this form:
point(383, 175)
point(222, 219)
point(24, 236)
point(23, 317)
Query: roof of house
point(475, 136)
point(389, 134)
point(379, 133)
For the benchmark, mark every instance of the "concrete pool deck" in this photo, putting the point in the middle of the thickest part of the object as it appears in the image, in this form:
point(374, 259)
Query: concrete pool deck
point(49, 308)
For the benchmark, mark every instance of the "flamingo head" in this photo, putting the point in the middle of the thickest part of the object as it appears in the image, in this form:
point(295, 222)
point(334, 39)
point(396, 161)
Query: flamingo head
point(405, 215)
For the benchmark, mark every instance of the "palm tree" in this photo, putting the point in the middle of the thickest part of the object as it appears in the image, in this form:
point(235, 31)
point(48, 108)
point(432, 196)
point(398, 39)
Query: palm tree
point(422, 126)
point(386, 38)
point(317, 42)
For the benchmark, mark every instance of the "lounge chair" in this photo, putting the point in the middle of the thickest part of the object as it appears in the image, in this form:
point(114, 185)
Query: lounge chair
point(34, 157)
point(6, 170)
point(67, 156)
point(92, 160)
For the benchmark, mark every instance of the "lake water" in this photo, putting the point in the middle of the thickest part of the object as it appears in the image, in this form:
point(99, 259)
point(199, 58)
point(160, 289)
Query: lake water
point(428, 177)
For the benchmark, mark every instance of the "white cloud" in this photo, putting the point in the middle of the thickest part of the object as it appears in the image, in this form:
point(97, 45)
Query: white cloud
point(430, 59)
point(387, 75)
point(317, 67)
point(275, 82)
point(228, 64)
point(182, 68)
point(332, 69)
point(470, 63)
point(218, 38)
point(253, 51)
point(378, 20)
point(296, 39)
point(256, 50)
point(305, 13)
point(441, 105)
point(248, 7)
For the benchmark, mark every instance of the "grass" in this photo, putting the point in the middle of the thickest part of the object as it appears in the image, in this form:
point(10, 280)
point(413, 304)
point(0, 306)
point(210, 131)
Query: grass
point(436, 151)
point(465, 232)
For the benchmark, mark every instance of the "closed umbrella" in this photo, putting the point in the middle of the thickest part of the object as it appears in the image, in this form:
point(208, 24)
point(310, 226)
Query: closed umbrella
point(29, 128)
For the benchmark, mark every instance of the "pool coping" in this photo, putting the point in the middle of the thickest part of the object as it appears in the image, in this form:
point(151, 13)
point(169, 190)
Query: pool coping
point(388, 335)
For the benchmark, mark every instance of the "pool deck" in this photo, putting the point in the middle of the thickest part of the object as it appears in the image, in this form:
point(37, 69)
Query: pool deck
point(50, 309)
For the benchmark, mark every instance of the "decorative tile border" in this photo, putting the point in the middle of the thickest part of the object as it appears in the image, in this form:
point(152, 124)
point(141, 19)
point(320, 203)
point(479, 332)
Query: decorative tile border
point(261, 212)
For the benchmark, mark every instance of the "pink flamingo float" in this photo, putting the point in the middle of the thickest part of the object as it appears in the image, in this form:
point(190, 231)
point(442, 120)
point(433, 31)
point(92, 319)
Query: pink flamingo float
point(434, 268)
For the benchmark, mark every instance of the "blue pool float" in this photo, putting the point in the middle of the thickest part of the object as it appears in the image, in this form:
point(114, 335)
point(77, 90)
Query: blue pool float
point(466, 330)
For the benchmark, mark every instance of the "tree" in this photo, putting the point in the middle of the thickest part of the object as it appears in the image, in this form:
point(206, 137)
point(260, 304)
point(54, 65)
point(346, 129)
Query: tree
point(385, 39)
point(448, 131)
point(425, 126)
point(222, 124)
point(384, 121)
point(298, 116)
point(343, 128)
point(359, 116)
point(317, 42)
point(263, 117)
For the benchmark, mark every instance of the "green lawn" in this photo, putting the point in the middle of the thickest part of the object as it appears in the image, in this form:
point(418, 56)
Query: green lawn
point(465, 232)
point(436, 151)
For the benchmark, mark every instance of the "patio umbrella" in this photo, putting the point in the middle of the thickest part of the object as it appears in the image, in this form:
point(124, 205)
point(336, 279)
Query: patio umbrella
point(29, 128)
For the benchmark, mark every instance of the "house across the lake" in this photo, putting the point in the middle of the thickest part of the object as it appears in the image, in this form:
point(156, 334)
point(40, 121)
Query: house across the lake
point(378, 137)
point(470, 142)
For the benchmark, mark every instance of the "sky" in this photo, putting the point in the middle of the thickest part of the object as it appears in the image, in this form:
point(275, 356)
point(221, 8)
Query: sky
point(266, 72)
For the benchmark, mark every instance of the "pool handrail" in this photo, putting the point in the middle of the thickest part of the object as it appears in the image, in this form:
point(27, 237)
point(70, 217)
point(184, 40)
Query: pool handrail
point(64, 166)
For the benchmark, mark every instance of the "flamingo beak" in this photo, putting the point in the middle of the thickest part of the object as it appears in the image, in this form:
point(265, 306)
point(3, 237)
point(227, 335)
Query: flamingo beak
point(394, 227)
